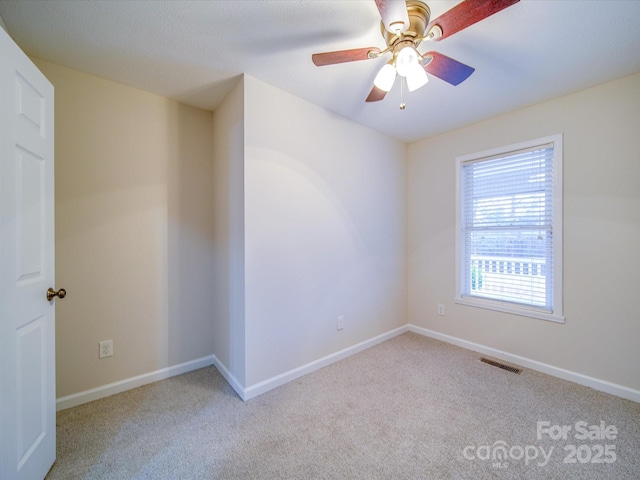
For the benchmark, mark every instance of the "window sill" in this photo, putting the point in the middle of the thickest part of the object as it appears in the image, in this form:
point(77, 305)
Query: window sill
point(510, 308)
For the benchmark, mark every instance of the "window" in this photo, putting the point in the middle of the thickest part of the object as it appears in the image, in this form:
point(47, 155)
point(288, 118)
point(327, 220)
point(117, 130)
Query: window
point(509, 229)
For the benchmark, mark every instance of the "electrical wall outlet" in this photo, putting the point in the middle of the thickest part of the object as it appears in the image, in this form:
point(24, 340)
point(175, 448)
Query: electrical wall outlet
point(340, 322)
point(440, 309)
point(105, 349)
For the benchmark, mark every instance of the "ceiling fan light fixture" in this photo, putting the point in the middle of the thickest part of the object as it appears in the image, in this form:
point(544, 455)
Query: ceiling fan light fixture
point(416, 78)
point(405, 25)
point(385, 77)
point(406, 60)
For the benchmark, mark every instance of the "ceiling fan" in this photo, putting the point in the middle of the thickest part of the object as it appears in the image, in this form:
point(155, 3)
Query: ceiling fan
point(405, 24)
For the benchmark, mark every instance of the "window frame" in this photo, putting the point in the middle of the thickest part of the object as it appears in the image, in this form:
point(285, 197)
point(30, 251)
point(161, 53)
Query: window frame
point(556, 315)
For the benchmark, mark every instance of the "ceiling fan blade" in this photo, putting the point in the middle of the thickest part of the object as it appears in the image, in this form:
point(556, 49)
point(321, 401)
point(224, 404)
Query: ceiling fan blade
point(394, 15)
point(466, 14)
point(342, 56)
point(447, 69)
point(376, 94)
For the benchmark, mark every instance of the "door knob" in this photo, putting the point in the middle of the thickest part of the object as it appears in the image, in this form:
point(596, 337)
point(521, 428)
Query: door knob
point(51, 293)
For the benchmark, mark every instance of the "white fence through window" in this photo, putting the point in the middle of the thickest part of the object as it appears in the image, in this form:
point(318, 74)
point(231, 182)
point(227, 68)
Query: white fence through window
point(510, 279)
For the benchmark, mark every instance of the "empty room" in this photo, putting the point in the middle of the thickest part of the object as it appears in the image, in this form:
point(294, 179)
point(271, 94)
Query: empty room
point(331, 239)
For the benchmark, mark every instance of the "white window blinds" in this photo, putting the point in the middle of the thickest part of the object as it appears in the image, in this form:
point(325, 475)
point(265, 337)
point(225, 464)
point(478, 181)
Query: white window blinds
point(507, 210)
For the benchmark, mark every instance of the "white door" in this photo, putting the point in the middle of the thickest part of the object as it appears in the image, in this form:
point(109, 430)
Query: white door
point(27, 318)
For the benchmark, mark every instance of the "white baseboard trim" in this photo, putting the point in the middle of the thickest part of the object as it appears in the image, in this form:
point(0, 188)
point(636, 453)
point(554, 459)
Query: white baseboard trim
point(133, 382)
point(595, 383)
point(271, 383)
point(229, 377)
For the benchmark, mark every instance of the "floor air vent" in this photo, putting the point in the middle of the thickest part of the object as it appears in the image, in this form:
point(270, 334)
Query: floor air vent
point(502, 366)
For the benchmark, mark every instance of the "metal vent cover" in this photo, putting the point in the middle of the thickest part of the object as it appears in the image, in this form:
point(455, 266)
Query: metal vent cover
point(503, 366)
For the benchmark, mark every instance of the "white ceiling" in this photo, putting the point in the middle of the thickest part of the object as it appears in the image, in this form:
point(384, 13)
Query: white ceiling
point(194, 51)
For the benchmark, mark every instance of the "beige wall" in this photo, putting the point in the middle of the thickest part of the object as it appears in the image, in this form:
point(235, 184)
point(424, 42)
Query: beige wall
point(601, 234)
point(228, 187)
point(325, 232)
point(134, 230)
point(310, 225)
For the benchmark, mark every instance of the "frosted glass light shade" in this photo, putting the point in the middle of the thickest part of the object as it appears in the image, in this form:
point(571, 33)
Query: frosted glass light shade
point(385, 77)
point(406, 59)
point(416, 78)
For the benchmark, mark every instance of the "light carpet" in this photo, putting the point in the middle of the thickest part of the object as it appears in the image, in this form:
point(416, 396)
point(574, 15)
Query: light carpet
point(409, 408)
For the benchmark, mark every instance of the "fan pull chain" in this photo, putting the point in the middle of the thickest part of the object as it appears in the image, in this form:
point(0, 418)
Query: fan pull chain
point(402, 104)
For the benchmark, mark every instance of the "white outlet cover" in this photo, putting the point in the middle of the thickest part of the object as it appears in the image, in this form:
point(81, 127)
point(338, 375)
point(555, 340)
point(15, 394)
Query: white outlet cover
point(105, 349)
